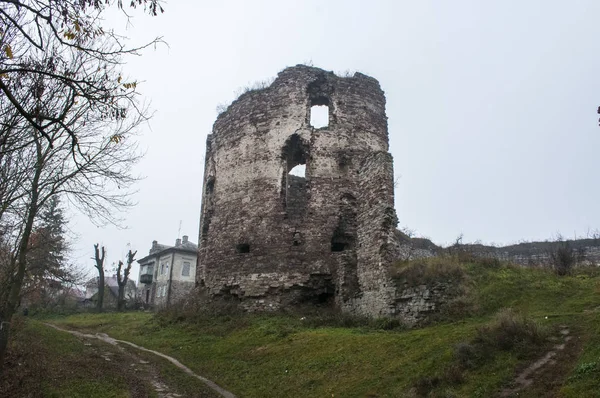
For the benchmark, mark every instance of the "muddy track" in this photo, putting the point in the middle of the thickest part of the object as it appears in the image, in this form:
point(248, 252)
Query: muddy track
point(526, 377)
point(107, 339)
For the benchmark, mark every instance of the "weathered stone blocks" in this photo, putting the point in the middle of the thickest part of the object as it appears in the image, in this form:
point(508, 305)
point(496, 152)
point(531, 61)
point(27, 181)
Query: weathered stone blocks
point(271, 239)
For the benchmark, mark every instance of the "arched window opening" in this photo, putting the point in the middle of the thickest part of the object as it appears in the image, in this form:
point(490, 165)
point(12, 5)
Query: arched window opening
point(319, 116)
point(341, 242)
point(344, 236)
point(299, 171)
point(294, 184)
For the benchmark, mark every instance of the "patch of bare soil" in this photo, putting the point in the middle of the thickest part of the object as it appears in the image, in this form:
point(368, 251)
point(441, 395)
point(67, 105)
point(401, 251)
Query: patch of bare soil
point(33, 368)
point(161, 389)
point(544, 377)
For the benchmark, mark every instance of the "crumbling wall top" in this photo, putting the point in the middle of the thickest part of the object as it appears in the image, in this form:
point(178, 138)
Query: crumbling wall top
point(296, 89)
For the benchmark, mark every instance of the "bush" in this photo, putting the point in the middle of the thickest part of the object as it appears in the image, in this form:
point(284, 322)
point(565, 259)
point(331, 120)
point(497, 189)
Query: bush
point(562, 257)
point(509, 330)
point(424, 385)
point(466, 355)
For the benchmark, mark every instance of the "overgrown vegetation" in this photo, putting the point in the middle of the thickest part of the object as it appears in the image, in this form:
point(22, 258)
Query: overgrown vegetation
point(563, 257)
point(429, 270)
point(249, 88)
point(468, 354)
point(509, 331)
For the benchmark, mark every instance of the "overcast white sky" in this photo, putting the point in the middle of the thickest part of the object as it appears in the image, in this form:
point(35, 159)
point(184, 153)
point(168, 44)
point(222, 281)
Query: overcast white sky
point(491, 107)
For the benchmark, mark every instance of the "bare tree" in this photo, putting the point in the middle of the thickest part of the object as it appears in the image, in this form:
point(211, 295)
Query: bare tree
point(99, 258)
point(122, 280)
point(67, 124)
point(60, 30)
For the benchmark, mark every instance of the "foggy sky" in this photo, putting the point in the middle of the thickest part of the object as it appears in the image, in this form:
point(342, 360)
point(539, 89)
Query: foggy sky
point(492, 108)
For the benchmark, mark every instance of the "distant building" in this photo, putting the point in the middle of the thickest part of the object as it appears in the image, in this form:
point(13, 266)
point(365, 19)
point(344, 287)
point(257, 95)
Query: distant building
point(168, 272)
point(111, 292)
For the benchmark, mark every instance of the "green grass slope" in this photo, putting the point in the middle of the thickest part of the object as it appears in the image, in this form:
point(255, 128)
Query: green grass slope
point(287, 355)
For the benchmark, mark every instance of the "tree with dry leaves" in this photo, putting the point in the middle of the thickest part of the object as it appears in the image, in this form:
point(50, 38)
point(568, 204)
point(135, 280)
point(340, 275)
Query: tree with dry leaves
point(68, 123)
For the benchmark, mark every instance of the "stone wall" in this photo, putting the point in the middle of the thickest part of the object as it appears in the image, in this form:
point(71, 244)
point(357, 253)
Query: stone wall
point(272, 239)
point(414, 304)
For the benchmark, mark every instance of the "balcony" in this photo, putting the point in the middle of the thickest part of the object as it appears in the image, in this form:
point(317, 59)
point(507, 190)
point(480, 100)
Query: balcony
point(146, 279)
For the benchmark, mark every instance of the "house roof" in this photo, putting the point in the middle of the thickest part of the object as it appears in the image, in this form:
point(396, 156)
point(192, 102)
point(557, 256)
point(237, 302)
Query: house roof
point(159, 249)
point(111, 282)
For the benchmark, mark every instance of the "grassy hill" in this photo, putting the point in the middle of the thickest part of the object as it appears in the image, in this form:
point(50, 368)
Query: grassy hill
point(476, 350)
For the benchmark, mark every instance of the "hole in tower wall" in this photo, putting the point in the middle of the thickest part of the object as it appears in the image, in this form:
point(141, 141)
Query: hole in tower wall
point(294, 184)
point(344, 235)
point(319, 116)
point(341, 242)
point(297, 194)
point(299, 171)
point(208, 206)
point(242, 248)
point(210, 186)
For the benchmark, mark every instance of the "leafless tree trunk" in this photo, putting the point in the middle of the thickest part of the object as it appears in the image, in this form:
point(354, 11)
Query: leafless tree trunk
point(67, 125)
point(19, 261)
point(99, 258)
point(122, 281)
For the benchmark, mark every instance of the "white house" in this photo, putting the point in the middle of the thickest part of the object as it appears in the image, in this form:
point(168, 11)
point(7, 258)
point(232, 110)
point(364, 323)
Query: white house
point(168, 272)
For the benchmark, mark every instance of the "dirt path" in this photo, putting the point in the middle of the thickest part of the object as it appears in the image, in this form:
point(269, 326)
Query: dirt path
point(160, 388)
point(526, 377)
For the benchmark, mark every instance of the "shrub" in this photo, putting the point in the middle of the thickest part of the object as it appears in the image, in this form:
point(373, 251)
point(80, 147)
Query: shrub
point(424, 385)
point(562, 257)
point(509, 330)
point(466, 355)
point(489, 262)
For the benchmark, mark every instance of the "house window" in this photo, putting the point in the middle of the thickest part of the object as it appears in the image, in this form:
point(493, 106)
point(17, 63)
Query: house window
point(164, 268)
point(185, 271)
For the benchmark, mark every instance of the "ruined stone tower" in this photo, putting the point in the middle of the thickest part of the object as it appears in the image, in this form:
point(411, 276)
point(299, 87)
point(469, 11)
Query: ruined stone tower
point(274, 239)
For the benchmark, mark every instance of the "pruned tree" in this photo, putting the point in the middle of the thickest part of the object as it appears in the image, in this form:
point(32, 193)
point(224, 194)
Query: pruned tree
point(122, 280)
point(99, 265)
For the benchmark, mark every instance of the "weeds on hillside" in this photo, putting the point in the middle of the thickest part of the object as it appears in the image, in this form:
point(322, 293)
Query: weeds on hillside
point(216, 316)
point(312, 317)
point(508, 331)
point(511, 330)
point(224, 315)
point(429, 270)
point(563, 257)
